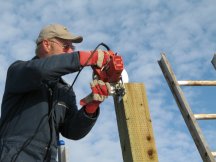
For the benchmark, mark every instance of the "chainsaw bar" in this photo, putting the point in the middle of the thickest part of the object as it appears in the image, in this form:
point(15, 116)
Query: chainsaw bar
point(117, 89)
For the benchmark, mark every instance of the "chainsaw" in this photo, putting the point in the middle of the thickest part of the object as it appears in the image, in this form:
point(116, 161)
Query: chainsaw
point(111, 72)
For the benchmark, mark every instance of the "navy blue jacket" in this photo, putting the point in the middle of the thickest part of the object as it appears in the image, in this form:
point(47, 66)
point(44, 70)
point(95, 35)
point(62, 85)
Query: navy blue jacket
point(38, 105)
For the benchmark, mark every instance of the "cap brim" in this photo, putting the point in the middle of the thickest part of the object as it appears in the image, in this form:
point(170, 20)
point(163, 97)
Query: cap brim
point(77, 39)
point(73, 38)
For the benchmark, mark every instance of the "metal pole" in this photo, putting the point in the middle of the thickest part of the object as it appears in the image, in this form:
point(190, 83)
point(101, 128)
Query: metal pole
point(62, 157)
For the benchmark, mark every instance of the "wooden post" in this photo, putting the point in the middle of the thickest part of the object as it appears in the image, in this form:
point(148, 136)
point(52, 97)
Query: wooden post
point(214, 61)
point(134, 124)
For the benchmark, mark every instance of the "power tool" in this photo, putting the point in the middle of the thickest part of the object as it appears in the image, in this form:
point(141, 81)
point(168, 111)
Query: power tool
point(111, 72)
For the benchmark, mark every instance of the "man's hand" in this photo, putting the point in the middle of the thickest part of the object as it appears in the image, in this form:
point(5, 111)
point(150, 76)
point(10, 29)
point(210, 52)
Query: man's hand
point(100, 91)
point(99, 58)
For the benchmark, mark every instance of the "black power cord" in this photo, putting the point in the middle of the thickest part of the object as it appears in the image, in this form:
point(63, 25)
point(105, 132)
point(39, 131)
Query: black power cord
point(40, 125)
point(93, 52)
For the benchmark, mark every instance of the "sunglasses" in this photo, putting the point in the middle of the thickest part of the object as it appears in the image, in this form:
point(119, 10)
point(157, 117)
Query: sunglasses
point(65, 46)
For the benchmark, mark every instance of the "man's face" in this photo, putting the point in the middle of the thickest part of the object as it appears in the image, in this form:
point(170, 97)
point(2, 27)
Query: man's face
point(59, 46)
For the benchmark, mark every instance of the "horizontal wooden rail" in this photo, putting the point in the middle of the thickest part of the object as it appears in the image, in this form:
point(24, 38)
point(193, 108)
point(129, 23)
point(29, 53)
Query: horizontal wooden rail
point(197, 83)
point(205, 116)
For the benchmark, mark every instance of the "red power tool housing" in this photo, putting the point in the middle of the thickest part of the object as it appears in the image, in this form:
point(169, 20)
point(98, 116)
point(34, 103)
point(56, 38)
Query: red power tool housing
point(111, 72)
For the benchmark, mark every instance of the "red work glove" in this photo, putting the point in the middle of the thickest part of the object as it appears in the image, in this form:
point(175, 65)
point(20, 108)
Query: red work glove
point(99, 58)
point(100, 91)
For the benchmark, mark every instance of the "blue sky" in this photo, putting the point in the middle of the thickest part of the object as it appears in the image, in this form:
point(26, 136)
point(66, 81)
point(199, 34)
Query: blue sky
point(139, 30)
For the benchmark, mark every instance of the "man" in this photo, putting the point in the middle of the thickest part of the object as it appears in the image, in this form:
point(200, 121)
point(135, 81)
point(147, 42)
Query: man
point(38, 105)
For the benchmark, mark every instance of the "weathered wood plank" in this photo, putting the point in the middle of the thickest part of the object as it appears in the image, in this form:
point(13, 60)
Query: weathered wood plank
point(197, 83)
point(205, 116)
point(134, 124)
point(214, 61)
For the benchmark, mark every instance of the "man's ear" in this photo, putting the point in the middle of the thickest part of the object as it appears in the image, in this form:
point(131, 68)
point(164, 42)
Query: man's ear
point(46, 45)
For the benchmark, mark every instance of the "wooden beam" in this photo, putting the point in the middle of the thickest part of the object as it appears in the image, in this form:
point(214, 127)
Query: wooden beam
point(214, 61)
point(197, 83)
point(205, 116)
point(134, 124)
point(214, 154)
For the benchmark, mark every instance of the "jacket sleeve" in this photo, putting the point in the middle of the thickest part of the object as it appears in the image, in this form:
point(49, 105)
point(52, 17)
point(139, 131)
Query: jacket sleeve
point(74, 124)
point(24, 76)
point(78, 126)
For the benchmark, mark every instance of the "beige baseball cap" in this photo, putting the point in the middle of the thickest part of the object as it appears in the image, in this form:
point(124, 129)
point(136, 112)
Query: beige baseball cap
point(58, 31)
